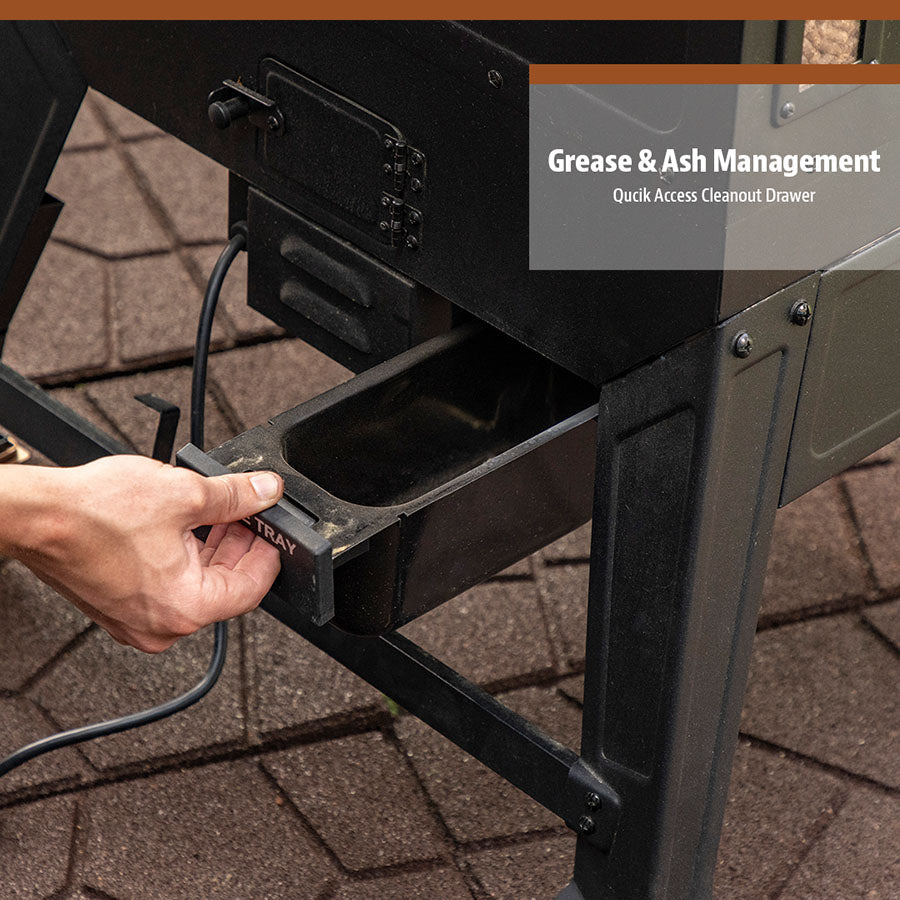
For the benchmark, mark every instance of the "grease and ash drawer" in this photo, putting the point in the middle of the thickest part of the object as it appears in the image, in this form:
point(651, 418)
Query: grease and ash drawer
point(430, 472)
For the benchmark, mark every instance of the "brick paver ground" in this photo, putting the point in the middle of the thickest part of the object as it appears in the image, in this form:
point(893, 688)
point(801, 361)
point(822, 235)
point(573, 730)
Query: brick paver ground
point(294, 778)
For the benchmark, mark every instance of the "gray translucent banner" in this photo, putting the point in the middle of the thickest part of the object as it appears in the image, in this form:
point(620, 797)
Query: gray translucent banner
point(730, 177)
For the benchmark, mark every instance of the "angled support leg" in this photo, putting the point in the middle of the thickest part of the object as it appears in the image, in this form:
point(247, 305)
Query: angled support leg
point(691, 458)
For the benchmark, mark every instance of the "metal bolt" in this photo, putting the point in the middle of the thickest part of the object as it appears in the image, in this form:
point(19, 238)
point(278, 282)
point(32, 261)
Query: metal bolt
point(592, 801)
point(385, 201)
point(787, 110)
point(384, 225)
point(415, 184)
point(388, 143)
point(272, 123)
point(387, 168)
point(586, 825)
point(800, 312)
point(411, 242)
point(414, 218)
point(495, 78)
point(743, 344)
point(416, 158)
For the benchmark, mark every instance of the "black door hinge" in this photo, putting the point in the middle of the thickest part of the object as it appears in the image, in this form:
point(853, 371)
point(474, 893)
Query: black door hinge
point(404, 169)
point(402, 223)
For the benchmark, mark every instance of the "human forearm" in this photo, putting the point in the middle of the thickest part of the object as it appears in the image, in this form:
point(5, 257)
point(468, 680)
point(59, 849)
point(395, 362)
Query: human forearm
point(30, 498)
point(115, 537)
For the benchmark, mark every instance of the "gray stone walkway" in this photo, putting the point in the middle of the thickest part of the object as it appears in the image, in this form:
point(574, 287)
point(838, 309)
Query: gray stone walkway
point(293, 779)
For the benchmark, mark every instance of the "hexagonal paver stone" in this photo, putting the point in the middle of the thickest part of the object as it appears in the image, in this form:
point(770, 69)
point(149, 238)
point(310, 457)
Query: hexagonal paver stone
point(338, 785)
point(217, 831)
point(857, 856)
point(828, 688)
point(573, 690)
point(523, 569)
point(815, 558)
point(127, 125)
point(573, 547)
point(262, 381)
point(35, 841)
point(87, 131)
point(875, 493)
point(564, 595)
point(883, 455)
point(101, 679)
point(295, 687)
point(35, 624)
point(115, 397)
point(190, 187)
point(473, 801)
point(532, 870)
point(157, 306)
point(60, 325)
point(247, 322)
point(885, 619)
point(492, 633)
point(105, 211)
point(23, 723)
point(777, 808)
point(443, 884)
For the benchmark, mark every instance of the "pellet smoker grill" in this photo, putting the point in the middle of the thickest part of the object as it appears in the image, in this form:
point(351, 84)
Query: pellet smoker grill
point(378, 178)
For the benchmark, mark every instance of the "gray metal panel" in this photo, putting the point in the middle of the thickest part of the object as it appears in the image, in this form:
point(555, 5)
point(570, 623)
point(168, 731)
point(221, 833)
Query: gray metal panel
point(858, 121)
point(850, 395)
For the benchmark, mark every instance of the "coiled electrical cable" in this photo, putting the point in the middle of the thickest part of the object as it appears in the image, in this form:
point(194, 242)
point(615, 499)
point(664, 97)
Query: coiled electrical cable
point(220, 643)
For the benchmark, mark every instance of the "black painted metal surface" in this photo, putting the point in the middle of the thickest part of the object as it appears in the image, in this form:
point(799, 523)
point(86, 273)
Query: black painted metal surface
point(427, 82)
point(432, 471)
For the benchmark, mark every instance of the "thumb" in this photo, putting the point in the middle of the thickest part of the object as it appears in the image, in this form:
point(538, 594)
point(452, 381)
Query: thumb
point(232, 497)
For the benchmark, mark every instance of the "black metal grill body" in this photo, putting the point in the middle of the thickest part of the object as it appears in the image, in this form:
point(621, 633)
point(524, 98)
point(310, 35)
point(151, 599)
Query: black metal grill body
point(695, 445)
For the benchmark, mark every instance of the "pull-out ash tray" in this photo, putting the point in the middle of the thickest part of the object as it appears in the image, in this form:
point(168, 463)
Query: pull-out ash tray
point(421, 477)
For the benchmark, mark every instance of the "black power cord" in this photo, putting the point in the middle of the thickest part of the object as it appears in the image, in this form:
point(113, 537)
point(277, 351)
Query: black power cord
point(220, 644)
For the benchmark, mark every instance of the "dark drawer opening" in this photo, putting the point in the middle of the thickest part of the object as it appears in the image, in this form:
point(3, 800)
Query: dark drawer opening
point(419, 430)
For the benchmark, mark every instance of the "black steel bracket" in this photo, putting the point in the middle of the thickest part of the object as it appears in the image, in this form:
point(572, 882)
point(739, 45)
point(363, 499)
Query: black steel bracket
point(478, 723)
point(169, 414)
point(235, 101)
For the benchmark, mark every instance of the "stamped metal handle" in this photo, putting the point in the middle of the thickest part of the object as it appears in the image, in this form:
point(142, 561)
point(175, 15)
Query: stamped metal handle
point(306, 581)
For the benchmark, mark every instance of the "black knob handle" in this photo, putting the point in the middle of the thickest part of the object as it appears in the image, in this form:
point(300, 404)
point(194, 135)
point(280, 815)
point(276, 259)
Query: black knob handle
point(223, 112)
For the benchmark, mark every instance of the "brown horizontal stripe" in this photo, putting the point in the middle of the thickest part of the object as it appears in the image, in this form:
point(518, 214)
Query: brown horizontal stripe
point(714, 74)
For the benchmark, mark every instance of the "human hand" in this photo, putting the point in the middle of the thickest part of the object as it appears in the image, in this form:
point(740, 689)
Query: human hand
point(115, 537)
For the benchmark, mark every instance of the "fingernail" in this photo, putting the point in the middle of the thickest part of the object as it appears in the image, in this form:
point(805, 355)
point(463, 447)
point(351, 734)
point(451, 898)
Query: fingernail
point(266, 486)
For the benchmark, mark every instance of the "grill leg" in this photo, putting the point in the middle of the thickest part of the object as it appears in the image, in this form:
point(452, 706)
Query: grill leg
point(691, 458)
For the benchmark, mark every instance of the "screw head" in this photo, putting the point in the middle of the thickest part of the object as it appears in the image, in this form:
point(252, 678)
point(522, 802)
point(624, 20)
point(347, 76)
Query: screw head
point(385, 201)
point(743, 344)
point(272, 123)
point(411, 242)
point(787, 110)
point(586, 825)
point(801, 312)
point(384, 225)
point(415, 184)
point(495, 78)
point(387, 168)
point(416, 158)
point(414, 218)
point(592, 801)
point(388, 143)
